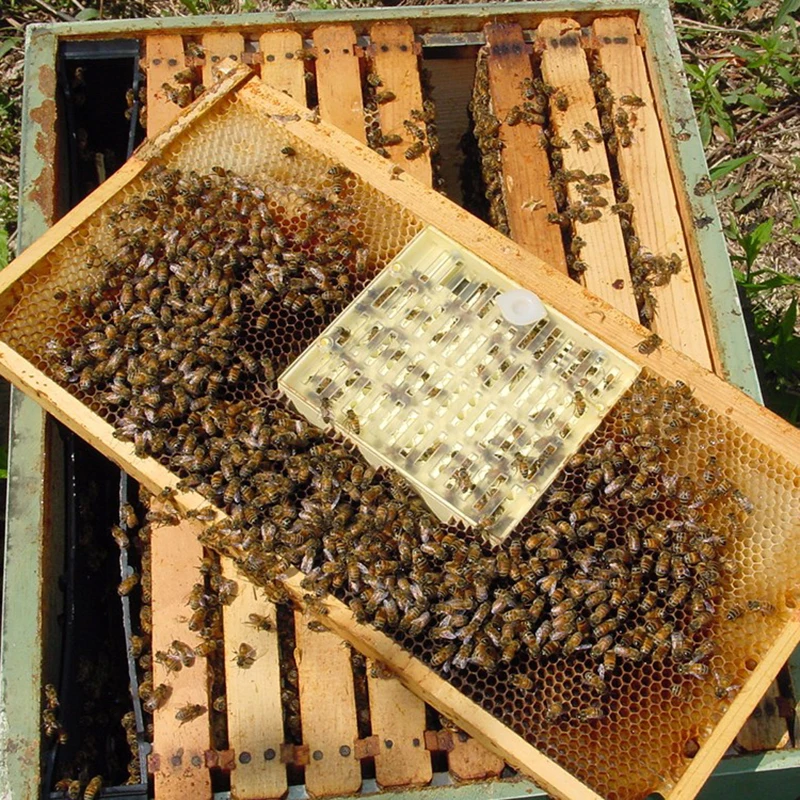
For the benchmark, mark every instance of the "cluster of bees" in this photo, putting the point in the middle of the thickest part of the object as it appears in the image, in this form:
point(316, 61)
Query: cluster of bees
point(420, 130)
point(617, 120)
point(182, 90)
point(173, 341)
point(75, 789)
point(486, 129)
point(205, 601)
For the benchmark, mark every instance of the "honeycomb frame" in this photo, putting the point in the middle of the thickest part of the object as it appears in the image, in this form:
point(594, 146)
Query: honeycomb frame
point(775, 442)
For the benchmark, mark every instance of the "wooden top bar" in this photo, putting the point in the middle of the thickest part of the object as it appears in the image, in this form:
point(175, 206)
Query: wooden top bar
point(327, 710)
point(165, 56)
point(339, 79)
point(526, 168)
point(255, 720)
point(281, 66)
point(565, 68)
point(178, 762)
point(395, 61)
point(644, 167)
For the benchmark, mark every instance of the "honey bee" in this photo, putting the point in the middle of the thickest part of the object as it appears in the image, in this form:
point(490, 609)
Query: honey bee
point(245, 656)
point(694, 669)
point(384, 96)
point(259, 622)
point(189, 712)
point(761, 606)
point(650, 344)
point(51, 696)
point(554, 711)
point(352, 422)
point(734, 612)
point(288, 151)
point(127, 516)
point(594, 682)
point(156, 698)
point(184, 652)
point(127, 584)
point(93, 788)
point(415, 151)
point(205, 648)
point(591, 713)
point(170, 660)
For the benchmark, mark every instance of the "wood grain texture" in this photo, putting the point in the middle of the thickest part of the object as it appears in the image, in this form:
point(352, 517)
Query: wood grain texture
point(565, 68)
point(469, 760)
point(255, 721)
point(526, 168)
point(327, 710)
point(398, 720)
point(164, 56)
point(765, 728)
point(644, 167)
point(396, 63)
point(712, 306)
point(219, 46)
point(180, 747)
point(280, 66)
point(339, 79)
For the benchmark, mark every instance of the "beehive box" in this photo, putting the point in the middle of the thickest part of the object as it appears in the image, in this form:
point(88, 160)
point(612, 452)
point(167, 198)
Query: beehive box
point(430, 38)
point(256, 114)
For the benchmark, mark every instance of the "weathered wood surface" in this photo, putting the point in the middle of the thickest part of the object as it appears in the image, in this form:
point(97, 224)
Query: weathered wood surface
point(565, 68)
point(164, 57)
point(218, 46)
point(327, 710)
point(526, 168)
point(644, 168)
point(255, 721)
point(339, 79)
point(281, 64)
point(395, 62)
point(178, 760)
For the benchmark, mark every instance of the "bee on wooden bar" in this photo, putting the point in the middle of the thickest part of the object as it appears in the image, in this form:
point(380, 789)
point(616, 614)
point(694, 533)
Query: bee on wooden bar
point(93, 788)
point(632, 100)
point(245, 656)
point(415, 151)
point(650, 344)
point(190, 712)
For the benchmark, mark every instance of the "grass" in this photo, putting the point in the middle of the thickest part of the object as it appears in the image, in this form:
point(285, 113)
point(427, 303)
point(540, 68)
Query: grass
point(742, 59)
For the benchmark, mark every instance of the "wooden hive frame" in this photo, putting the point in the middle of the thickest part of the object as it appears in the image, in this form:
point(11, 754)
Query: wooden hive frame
point(42, 38)
point(598, 317)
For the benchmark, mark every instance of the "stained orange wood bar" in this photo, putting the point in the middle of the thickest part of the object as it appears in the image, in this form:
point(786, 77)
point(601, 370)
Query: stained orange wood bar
point(644, 168)
point(526, 168)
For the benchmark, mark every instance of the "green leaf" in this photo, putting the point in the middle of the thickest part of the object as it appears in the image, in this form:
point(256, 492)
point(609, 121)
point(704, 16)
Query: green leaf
point(788, 8)
point(7, 45)
point(787, 77)
point(86, 14)
point(754, 102)
point(705, 127)
point(753, 242)
point(3, 246)
point(741, 203)
point(729, 165)
point(789, 321)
